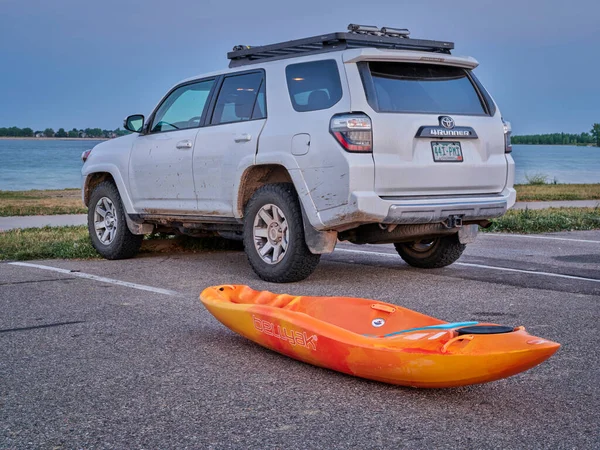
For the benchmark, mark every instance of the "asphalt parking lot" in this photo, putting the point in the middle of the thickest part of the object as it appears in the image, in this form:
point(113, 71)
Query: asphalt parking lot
point(133, 360)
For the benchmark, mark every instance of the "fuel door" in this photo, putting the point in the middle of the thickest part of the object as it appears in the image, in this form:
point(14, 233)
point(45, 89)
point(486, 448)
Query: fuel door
point(300, 144)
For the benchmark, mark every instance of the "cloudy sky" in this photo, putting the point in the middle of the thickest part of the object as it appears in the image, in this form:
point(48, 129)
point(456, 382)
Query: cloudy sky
point(82, 63)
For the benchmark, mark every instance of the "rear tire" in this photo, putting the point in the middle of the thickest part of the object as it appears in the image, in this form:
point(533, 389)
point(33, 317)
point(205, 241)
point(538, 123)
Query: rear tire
point(107, 224)
point(431, 253)
point(274, 235)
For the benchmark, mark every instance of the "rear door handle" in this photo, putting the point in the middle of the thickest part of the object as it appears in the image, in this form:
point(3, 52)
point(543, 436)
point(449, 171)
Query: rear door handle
point(184, 145)
point(245, 137)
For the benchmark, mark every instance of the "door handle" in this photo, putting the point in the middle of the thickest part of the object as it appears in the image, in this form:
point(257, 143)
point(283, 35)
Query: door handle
point(184, 145)
point(245, 137)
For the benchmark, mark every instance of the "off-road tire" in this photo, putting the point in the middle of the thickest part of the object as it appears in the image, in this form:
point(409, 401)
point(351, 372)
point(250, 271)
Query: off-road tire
point(124, 244)
point(298, 262)
point(441, 253)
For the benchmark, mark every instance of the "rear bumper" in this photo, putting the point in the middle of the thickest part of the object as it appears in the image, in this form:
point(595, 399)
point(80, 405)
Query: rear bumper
point(368, 207)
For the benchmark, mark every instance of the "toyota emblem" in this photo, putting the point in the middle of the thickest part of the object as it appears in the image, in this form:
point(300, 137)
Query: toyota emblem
point(447, 122)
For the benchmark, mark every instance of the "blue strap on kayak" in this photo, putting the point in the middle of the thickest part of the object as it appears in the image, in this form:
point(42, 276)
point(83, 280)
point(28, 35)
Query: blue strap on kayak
point(444, 326)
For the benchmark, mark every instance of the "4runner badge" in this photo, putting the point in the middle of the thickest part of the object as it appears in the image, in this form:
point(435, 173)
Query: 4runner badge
point(446, 129)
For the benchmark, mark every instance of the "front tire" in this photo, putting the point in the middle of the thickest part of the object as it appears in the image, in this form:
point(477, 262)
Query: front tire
point(107, 224)
point(431, 253)
point(274, 235)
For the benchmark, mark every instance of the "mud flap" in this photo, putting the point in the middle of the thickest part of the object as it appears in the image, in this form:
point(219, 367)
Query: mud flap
point(318, 242)
point(468, 233)
point(138, 228)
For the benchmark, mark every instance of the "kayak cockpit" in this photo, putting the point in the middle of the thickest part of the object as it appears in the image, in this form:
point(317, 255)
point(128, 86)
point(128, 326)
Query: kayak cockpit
point(358, 315)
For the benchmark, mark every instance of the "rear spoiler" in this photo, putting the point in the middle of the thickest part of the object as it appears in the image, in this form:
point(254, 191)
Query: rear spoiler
point(375, 54)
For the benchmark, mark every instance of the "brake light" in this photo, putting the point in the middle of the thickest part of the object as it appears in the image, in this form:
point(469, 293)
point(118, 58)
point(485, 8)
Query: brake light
point(507, 133)
point(353, 131)
point(85, 155)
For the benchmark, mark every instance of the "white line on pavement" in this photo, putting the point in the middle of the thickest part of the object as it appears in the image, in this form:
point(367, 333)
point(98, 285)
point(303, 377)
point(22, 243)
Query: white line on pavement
point(481, 266)
point(89, 276)
point(539, 237)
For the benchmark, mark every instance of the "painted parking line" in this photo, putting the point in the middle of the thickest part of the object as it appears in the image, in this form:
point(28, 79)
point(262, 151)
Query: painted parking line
point(89, 276)
point(540, 237)
point(480, 266)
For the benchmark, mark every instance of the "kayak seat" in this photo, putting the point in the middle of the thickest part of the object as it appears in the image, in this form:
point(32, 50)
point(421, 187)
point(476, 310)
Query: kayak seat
point(485, 329)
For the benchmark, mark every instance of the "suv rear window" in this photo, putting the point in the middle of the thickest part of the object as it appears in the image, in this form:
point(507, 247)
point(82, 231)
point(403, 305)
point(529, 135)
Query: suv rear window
point(422, 88)
point(314, 85)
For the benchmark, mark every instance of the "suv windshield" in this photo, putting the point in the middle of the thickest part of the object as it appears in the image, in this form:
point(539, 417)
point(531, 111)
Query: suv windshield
point(422, 88)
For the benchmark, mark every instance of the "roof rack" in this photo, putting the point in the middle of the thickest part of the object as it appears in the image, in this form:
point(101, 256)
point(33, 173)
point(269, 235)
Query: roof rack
point(359, 36)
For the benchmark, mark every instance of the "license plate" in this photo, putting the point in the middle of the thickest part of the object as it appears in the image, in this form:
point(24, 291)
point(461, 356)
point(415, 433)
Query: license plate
point(446, 152)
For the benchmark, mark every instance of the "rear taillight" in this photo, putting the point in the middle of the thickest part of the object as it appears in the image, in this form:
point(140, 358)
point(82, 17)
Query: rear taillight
point(507, 132)
point(85, 155)
point(353, 131)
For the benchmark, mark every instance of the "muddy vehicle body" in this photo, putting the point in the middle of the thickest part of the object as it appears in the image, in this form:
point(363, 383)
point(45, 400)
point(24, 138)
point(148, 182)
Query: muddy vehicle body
point(364, 136)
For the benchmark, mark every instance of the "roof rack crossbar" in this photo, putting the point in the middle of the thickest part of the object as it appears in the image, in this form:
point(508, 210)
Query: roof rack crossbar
point(330, 42)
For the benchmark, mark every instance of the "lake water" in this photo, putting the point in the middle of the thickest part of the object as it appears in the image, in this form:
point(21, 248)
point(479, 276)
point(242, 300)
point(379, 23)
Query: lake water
point(45, 164)
point(55, 164)
point(563, 163)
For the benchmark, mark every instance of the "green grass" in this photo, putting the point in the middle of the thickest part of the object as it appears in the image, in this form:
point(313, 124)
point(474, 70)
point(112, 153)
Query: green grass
point(46, 243)
point(557, 192)
point(549, 220)
point(74, 243)
point(36, 203)
point(538, 179)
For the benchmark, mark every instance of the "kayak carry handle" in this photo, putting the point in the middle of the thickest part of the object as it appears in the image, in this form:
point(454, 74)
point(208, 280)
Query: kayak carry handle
point(466, 337)
point(385, 308)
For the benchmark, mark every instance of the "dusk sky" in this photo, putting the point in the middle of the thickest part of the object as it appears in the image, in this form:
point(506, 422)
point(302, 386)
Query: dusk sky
point(78, 63)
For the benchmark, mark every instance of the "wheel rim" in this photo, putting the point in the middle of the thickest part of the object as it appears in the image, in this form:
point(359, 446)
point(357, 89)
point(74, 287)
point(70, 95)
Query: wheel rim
point(105, 220)
point(422, 246)
point(271, 234)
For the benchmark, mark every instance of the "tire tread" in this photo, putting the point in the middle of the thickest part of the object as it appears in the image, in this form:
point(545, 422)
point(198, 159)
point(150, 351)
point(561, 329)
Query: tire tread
point(303, 262)
point(446, 252)
point(126, 244)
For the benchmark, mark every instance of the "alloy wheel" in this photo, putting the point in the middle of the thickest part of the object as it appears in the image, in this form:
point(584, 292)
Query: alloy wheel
point(271, 234)
point(105, 220)
point(423, 245)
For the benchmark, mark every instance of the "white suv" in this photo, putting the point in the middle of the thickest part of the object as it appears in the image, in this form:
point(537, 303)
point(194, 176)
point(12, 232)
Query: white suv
point(367, 136)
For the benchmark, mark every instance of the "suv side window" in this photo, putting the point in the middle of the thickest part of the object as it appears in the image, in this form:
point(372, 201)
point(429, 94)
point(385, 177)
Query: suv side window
point(183, 108)
point(237, 97)
point(314, 85)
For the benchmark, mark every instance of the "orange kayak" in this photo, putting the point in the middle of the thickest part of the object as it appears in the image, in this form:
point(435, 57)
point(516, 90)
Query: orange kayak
point(376, 340)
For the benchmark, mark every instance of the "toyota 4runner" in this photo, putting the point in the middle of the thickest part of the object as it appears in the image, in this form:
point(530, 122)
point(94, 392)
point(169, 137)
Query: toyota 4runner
point(367, 136)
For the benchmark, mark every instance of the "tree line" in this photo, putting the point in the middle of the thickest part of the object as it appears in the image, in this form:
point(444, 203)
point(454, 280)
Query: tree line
point(61, 133)
point(593, 137)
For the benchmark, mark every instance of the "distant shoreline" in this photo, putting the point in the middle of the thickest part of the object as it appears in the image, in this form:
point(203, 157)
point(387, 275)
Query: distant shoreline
point(560, 145)
point(17, 138)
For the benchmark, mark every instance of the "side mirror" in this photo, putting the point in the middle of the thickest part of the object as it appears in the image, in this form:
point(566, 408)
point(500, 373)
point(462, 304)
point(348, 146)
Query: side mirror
point(134, 123)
